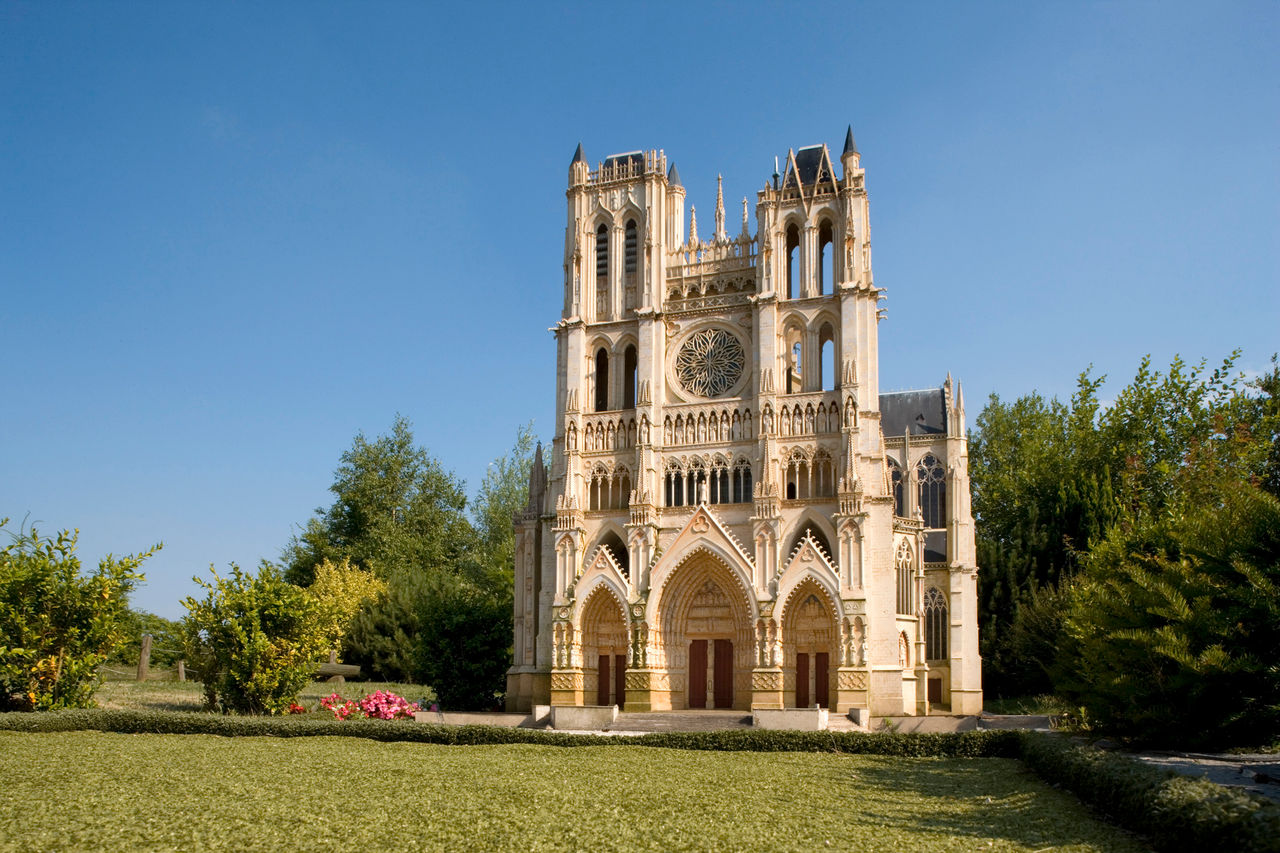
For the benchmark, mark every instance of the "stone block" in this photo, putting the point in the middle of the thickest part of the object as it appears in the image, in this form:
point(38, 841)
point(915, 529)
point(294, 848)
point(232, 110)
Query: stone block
point(790, 719)
point(583, 717)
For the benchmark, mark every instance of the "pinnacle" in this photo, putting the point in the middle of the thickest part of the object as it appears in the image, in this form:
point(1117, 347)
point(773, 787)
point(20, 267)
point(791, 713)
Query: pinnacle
point(850, 147)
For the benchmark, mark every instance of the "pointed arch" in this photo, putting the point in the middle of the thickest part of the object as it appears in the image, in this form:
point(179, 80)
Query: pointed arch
point(818, 527)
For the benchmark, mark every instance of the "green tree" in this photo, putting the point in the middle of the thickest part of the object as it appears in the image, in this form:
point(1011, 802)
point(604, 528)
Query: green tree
point(396, 508)
point(1172, 630)
point(504, 491)
point(57, 625)
point(254, 640)
point(464, 644)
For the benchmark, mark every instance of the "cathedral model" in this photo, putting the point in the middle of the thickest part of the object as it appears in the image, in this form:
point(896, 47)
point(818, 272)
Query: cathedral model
point(734, 516)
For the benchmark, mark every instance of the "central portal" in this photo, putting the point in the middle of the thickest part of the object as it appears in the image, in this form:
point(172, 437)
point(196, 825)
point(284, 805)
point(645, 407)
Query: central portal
point(714, 657)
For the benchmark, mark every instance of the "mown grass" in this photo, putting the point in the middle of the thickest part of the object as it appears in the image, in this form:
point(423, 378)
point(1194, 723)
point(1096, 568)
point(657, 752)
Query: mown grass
point(93, 790)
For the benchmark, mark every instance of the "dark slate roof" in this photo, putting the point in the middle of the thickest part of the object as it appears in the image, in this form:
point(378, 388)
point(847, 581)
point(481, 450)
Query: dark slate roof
point(578, 156)
point(673, 176)
point(635, 158)
point(923, 412)
point(850, 147)
point(807, 162)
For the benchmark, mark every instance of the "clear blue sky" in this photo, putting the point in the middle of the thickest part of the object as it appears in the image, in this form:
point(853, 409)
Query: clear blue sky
point(234, 235)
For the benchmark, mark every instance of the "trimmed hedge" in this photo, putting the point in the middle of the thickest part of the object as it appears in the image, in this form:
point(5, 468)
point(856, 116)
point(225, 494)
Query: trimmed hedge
point(1173, 811)
point(976, 744)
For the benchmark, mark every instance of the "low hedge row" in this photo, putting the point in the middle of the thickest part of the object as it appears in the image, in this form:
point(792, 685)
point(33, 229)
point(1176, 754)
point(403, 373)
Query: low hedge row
point(976, 744)
point(1173, 811)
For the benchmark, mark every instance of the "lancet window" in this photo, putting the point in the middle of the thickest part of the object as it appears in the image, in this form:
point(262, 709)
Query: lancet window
point(602, 380)
point(935, 624)
point(793, 261)
point(932, 479)
point(742, 482)
point(826, 261)
point(629, 264)
point(895, 479)
point(629, 378)
point(602, 272)
point(903, 565)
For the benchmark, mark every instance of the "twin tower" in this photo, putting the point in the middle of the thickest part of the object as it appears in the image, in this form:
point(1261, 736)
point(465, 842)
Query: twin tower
point(732, 514)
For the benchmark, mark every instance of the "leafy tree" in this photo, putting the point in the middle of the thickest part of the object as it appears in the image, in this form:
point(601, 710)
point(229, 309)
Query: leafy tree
point(503, 493)
point(340, 591)
point(383, 634)
point(396, 509)
point(57, 626)
point(464, 644)
point(254, 640)
point(1172, 631)
point(1052, 479)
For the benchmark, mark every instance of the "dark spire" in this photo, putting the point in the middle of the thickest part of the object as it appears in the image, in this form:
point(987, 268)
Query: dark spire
point(850, 147)
point(578, 156)
point(673, 176)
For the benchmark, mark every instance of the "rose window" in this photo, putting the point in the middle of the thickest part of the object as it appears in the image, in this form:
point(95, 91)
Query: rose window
point(710, 363)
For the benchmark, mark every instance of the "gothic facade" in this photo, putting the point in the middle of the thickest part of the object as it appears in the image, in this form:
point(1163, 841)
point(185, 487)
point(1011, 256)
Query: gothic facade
point(733, 515)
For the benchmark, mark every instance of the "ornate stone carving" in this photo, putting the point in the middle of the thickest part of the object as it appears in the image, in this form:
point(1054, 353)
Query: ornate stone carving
point(710, 362)
point(565, 680)
point(851, 680)
point(766, 681)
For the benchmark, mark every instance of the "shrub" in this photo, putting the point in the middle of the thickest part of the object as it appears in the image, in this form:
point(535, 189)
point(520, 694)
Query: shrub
point(464, 643)
point(1174, 812)
point(254, 641)
point(58, 626)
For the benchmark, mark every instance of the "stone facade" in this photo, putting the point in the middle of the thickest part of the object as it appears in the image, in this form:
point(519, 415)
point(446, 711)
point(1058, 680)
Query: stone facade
point(733, 514)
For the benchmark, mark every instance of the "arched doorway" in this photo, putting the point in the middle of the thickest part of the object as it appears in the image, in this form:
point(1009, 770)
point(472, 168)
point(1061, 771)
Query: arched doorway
point(809, 647)
point(705, 638)
point(604, 649)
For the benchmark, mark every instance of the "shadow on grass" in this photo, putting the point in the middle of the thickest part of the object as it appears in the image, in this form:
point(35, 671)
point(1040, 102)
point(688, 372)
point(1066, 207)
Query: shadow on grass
point(984, 798)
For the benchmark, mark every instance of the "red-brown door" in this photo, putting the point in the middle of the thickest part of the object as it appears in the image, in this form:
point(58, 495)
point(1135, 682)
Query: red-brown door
point(822, 679)
point(802, 680)
point(935, 691)
point(724, 673)
point(698, 674)
point(620, 681)
point(602, 682)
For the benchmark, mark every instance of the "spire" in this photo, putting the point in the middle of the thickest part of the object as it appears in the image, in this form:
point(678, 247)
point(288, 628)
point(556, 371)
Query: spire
point(720, 235)
point(578, 156)
point(673, 177)
point(693, 225)
point(746, 223)
point(850, 147)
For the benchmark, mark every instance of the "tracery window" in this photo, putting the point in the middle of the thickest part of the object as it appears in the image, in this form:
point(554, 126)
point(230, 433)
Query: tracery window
point(935, 624)
point(932, 478)
point(609, 489)
point(903, 565)
point(674, 482)
point(742, 482)
point(710, 362)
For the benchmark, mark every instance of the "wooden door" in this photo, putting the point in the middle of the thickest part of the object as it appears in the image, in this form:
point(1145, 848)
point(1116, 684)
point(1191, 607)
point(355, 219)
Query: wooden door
point(620, 681)
point(602, 682)
point(935, 690)
point(697, 692)
point(802, 680)
point(822, 679)
point(724, 673)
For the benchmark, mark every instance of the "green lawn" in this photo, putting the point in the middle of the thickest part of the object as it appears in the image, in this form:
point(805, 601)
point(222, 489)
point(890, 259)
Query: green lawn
point(163, 695)
point(90, 790)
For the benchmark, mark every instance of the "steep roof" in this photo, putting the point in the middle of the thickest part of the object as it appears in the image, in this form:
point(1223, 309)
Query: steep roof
point(850, 147)
point(921, 412)
point(807, 162)
point(673, 176)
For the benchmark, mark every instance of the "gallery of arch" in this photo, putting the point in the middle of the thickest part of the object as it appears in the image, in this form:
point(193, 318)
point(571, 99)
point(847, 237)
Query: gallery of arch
point(732, 515)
